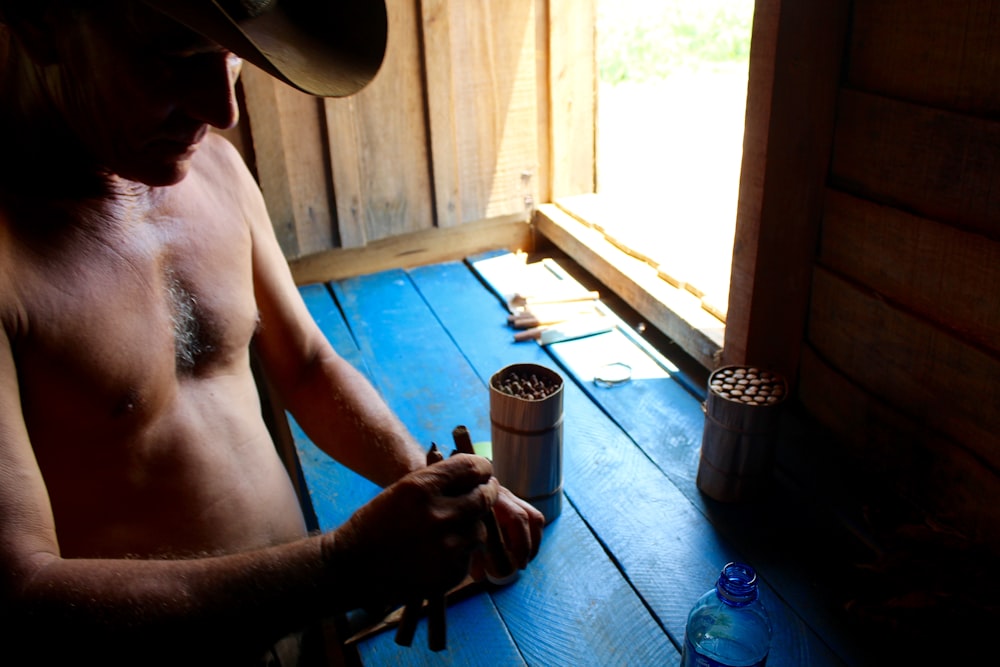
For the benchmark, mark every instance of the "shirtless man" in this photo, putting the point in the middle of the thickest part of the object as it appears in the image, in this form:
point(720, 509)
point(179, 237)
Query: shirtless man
point(144, 513)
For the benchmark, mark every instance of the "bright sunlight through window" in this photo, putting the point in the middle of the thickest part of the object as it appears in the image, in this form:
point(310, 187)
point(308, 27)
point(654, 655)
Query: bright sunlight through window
point(671, 105)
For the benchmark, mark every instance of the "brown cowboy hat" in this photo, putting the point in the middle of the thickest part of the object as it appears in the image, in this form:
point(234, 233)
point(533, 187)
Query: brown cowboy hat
point(330, 48)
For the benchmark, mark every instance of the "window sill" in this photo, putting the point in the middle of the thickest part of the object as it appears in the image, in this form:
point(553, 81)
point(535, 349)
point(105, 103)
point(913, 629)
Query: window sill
point(673, 310)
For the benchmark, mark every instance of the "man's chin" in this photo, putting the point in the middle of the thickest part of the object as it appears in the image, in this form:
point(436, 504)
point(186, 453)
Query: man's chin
point(161, 175)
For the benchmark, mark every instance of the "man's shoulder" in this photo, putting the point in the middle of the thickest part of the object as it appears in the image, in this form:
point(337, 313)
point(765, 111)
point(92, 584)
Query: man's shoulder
point(218, 167)
point(217, 156)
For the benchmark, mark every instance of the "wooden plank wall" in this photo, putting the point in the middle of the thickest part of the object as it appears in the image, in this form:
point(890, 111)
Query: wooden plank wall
point(447, 135)
point(903, 339)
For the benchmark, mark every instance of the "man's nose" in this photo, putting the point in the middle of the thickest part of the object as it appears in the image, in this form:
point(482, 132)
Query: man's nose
point(212, 97)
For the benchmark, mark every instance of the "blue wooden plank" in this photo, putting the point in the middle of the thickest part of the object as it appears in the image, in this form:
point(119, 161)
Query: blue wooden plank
point(572, 607)
point(407, 354)
point(417, 368)
point(418, 365)
point(663, 543)
point(475, 637)
point(326, 313)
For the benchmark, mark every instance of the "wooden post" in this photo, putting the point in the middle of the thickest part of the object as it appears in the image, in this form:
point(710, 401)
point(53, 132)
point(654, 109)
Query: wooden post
point(795, 64)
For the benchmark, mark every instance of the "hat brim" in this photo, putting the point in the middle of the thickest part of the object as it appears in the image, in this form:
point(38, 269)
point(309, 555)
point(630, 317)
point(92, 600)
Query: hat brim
point(330, 49)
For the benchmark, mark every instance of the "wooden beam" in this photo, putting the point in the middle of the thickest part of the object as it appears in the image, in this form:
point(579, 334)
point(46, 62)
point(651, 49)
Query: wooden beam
point(795, 62)
point(936, 163)
point(946, 275)
point(573, 96)
point(677, 313)
point(942, 54)
point(415, 249)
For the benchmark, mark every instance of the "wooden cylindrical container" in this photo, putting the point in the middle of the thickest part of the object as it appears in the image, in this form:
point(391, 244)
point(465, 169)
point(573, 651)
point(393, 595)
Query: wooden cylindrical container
point(741, 419)
point(526, 411)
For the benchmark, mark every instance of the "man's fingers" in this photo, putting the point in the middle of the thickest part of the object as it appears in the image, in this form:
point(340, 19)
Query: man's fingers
point(459, 474)
point(521, 525)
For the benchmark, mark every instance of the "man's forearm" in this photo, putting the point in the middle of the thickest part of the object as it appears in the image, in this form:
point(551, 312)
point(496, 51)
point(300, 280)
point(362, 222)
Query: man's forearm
point(228, 605)
point(347, 418)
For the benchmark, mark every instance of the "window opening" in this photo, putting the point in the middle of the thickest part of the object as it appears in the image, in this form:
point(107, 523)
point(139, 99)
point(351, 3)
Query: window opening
point(671, 107)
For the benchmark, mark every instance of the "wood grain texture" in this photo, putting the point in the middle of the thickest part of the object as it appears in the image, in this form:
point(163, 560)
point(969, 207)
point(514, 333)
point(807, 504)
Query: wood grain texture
point(378, 143)
point(946, 275)
point(901, 454)
point(408, 250)
point(572, 85)
point(933, 163)
point(929, 374)
point(291, 162)
point(938, 54)
point(481, 100)
point(795, 65)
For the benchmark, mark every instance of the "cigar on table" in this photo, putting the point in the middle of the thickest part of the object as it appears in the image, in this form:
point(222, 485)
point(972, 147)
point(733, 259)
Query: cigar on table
point(495, 549)
point(436, 623)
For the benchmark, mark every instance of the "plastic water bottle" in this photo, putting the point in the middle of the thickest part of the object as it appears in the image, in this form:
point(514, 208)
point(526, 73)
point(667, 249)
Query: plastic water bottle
point(728, 626)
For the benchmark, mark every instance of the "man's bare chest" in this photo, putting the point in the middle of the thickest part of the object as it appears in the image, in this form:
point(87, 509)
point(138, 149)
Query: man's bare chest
point(112, 324)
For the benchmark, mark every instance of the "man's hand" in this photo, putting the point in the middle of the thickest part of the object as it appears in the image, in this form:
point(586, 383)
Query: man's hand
point(416, 538)
point(521, 526)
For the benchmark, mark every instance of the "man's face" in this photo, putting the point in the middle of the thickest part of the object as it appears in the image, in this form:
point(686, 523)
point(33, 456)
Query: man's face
point(141, 92)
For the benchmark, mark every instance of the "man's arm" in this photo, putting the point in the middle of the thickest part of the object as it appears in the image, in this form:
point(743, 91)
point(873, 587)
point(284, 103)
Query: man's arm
point(336, 405)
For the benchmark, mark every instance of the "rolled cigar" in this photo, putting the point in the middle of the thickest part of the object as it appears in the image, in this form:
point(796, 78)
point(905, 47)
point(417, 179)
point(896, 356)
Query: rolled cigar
point(408, 623)
point(436, 624)
point(437, 632)
point(495, 549)
point(533, 333)
point(436, 629)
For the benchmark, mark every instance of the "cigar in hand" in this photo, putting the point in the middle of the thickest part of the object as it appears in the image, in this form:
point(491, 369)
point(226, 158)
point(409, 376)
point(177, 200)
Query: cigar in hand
point(495, 550)
point(436, 625)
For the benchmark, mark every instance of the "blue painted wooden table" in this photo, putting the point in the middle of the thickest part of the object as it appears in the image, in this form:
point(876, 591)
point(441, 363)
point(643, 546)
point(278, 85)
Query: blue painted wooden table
point(635, 545)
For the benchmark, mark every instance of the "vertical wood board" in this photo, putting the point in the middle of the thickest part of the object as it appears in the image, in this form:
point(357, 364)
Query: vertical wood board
point(795, 63)
point(378, 143)
point(572, 82)
point(292, 165)
point(481, 97)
